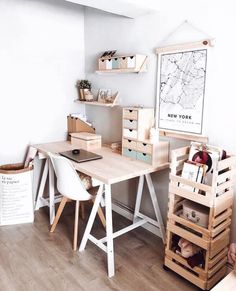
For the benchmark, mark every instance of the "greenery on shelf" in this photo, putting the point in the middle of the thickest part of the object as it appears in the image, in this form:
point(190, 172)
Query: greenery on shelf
point(83, 84)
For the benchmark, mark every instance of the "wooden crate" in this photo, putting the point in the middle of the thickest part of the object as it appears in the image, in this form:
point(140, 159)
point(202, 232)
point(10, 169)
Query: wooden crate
point(217, 221)
point(213, 239)
point(215, 257)
point(222, 181)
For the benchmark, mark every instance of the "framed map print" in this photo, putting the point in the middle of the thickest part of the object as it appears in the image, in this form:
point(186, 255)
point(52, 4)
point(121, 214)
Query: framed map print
point(181, 89)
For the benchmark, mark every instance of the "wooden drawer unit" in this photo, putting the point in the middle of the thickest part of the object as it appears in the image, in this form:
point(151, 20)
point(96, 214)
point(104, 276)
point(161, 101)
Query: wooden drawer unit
point(115, 63)
point(129, 143)
point(144, 147)
point(130, 114)
point(137, 123)
point(123, 62)
point(132, 63)
point(130, 123)
point(129, 153)
point(140, 119)
point(102, 64)
point(147, 152)
point(130, 133)
point(144, 157)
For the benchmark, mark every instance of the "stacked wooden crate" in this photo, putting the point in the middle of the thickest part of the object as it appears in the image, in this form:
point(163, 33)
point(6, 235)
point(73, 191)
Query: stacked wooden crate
point(213, 240)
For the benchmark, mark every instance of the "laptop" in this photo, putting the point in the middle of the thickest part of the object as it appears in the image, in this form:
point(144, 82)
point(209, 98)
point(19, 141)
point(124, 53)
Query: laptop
point(82, 156)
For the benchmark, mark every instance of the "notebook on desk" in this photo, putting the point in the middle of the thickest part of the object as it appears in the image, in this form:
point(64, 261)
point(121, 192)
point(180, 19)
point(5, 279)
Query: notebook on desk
point(82, 156)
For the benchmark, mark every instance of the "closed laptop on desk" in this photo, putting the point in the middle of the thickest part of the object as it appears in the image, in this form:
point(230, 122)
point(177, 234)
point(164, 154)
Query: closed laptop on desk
point(82, 156)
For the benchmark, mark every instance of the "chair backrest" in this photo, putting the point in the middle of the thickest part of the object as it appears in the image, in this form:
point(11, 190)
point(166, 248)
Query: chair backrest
point(68, 181)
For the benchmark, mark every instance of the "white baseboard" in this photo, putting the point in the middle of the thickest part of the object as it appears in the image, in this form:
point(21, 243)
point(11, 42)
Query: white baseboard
point(129, 214)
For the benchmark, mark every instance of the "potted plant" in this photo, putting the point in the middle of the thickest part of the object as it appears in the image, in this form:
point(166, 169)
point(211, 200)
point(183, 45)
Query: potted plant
point(83, 87)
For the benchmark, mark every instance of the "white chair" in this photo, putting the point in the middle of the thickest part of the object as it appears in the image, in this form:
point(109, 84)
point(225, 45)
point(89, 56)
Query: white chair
point(70, 186)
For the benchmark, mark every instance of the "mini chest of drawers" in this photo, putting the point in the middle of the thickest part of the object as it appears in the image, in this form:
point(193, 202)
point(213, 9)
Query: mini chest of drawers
point(137, 122)
point(146, 151)
point(135, 143)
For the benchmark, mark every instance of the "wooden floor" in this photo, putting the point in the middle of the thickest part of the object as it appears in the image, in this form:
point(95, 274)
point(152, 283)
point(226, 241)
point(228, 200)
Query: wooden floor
point(32, 259)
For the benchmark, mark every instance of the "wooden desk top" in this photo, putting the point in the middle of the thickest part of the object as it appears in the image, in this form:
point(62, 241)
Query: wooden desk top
point(112, 168)
point(227, 284)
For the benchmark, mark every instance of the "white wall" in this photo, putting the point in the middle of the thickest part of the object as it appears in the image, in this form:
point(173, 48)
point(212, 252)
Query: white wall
point(41, 57)
point(142, 35)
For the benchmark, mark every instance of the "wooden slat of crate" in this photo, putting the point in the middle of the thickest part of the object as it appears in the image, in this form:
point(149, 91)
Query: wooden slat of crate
point(201, 199)
point(216, 278)
point(223, 201)
point(212, 262)
point(223, 216)
point(180, 152)
point(205, 232)
point(227, 175)
point(219, 243)
point(227, 163)
point(221, 227)
point(185, 273)
point(223, 186)
point(187, 182)
point(171, 255)
point(201, 242)
point(217, 267)
point(179, 165)
point(182, 157)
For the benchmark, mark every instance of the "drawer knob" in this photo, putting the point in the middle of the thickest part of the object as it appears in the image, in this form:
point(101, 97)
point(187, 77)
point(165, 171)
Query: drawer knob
point(123, 58)
point(130, 110)
point(129, 150)
point(144, 144)
point(130, 120)
point(144, 154)
point(130, 130)
point(129, 140)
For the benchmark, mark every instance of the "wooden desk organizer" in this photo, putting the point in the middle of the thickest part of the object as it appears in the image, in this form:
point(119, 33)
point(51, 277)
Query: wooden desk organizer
point(129, 63)
point(86, 141)
point(135, 143)
point(75, 124)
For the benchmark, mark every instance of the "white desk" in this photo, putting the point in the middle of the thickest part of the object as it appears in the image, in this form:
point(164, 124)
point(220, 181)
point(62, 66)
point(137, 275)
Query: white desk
point(112, 168)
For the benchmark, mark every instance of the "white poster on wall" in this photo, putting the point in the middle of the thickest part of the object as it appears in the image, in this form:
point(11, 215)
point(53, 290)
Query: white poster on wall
point(181, 90)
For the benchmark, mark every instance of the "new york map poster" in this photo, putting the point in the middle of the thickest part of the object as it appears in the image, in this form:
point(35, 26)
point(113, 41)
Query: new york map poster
point(181, 91)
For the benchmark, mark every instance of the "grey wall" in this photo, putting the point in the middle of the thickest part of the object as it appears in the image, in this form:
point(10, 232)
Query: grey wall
point(142, 35)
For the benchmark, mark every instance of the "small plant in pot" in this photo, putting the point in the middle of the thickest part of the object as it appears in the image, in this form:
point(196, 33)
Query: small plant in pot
point(84, 86)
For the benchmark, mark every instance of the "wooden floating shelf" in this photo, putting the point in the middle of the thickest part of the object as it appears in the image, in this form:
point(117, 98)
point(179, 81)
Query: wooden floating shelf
point(96, 103)
point(120, 71)
point(122, 64)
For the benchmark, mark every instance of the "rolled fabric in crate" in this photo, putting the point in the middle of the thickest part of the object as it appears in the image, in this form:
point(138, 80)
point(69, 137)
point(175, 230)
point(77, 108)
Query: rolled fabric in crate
point(16, 197)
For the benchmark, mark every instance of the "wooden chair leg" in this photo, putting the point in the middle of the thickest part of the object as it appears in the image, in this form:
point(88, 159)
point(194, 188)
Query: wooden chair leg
point(59, 212)
point(101, 215)
point(76, 225)
point(82, 210)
